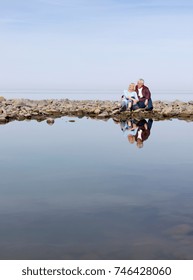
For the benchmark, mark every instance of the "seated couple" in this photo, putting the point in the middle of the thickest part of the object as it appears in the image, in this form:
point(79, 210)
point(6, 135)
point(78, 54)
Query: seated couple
point(136, 97)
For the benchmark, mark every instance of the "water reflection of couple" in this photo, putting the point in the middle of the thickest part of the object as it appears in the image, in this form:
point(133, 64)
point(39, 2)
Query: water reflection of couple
point(136, 130)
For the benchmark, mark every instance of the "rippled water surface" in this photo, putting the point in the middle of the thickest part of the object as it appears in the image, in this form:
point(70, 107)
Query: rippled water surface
point(81, 190)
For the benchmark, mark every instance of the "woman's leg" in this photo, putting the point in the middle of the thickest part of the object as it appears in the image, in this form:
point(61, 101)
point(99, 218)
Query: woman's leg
point(130, 104)
point(124, 104)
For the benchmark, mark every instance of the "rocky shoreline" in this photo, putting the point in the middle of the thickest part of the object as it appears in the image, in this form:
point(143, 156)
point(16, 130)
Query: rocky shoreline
point(40, 110)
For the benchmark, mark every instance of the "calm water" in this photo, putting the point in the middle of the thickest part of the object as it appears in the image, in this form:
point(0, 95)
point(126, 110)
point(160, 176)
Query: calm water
point(81, 190)
point(186, 95)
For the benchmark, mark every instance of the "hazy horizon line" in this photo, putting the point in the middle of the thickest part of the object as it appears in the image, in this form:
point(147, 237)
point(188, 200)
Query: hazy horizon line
point(87, 90)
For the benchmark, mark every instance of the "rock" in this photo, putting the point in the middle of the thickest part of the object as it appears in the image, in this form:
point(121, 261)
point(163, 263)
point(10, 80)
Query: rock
point(139, 110)
point(3, 120)
point(103, 115)
point(97, 111)
point(114, 112)
point(18, 103)
point(45, 109)
point(79, 113)
point(2, 99)
point(3, 111)
point(167, 110)
point(50, 121)
point(52, 111)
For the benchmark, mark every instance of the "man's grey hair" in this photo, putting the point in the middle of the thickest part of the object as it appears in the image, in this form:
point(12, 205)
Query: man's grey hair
point(141, 81)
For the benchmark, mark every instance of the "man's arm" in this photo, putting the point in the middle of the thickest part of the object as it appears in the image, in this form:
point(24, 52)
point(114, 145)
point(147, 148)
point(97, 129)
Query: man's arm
point(147, 95)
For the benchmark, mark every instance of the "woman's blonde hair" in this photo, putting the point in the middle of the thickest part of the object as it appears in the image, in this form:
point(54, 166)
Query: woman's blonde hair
point(132, 85)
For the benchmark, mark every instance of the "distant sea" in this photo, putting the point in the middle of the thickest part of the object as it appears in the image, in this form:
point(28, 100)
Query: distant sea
point(186, 95)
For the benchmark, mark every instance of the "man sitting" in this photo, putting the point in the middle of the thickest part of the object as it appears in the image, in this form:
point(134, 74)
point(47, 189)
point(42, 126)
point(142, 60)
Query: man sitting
point(144, 96)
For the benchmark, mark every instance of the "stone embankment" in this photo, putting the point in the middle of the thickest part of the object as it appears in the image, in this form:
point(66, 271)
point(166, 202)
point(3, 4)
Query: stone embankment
point(21, 109)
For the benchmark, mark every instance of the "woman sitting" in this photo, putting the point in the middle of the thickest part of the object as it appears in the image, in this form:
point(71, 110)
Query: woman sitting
point(129, 99)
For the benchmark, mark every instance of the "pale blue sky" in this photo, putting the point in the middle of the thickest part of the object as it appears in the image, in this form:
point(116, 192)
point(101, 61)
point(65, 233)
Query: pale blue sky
point(95, 44)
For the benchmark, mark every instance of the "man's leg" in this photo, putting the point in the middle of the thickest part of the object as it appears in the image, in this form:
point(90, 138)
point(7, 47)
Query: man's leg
point(149, 123)
point(135, 107)
point(141, 104)
point(150, 105)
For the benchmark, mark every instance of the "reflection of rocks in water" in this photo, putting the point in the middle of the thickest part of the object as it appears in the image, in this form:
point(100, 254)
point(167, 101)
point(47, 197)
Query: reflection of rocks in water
point(50, 121)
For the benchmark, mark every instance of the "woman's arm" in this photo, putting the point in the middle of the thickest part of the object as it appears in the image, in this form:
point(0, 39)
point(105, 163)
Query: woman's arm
point(134, 99)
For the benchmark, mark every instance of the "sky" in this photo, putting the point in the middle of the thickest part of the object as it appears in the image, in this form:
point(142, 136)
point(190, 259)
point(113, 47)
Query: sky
point(96, 44)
